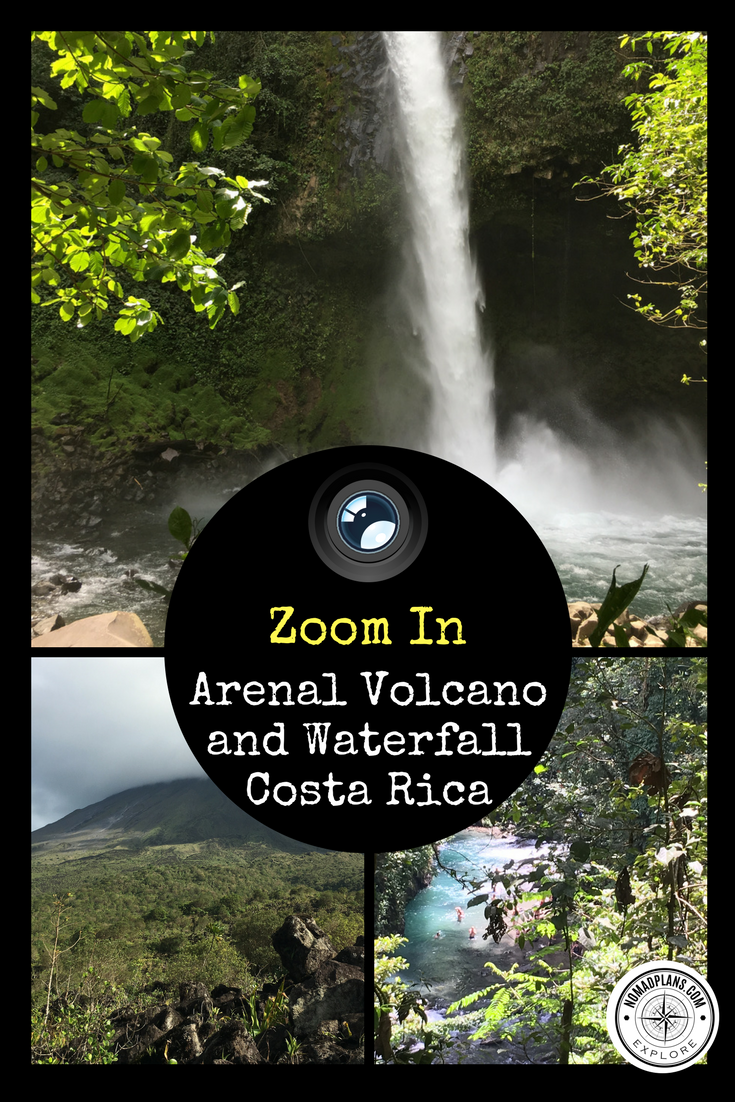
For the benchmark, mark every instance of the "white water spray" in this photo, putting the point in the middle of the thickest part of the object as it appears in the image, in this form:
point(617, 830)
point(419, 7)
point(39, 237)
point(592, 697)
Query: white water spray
point(444, 311)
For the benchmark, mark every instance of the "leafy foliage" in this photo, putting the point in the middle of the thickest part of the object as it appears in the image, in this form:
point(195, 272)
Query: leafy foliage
point(663, 178)
point(109, 206)
point(168, 913)
point(394, 998)
point(605, 821)
point(537, 98)
point(620, 805)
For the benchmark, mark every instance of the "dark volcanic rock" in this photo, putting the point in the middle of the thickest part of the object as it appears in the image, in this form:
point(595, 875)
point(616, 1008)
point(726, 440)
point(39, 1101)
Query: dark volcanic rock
point(334, 992)
point(302, 946)
point(323, 1012)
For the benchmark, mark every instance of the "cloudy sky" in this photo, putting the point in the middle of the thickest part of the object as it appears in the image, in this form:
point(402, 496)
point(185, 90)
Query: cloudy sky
point(99, 726)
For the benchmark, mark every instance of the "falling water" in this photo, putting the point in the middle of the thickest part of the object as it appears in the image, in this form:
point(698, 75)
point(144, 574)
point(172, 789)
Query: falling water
point(619, 502)
point(445, 308)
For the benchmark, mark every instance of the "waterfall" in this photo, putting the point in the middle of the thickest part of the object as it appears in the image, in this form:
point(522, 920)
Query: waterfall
point(446, 294)
point(597, 498)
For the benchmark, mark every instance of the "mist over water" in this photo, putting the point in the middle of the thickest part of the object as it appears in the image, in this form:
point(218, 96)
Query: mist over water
point(597, 502)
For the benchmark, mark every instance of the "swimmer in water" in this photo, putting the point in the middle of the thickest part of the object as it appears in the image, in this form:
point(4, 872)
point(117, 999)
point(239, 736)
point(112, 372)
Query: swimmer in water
point(473, 933)
point(437, 934)
point(460, 913)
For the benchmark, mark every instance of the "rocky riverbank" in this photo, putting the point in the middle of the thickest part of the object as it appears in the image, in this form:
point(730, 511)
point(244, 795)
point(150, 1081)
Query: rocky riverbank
point(654, 631)
point(77, 487)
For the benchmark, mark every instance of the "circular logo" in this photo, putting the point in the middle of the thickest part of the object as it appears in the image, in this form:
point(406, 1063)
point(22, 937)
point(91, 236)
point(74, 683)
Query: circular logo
point(343, 655)
point(662, 1016)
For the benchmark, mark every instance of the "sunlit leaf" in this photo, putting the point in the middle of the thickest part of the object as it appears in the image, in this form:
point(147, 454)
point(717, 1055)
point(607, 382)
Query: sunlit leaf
point(199, 137)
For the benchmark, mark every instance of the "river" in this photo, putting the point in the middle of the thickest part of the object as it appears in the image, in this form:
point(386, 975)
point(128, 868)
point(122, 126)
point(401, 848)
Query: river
point(134, 538)
point(453, 964)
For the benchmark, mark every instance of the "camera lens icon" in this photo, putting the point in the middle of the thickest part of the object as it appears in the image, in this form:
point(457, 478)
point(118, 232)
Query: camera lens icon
point(368, 522)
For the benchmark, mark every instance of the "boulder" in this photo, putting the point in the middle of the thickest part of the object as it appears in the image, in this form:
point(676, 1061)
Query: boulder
point(333, 992)
point(302, 946)
point(232, 1044)
point(109, 629)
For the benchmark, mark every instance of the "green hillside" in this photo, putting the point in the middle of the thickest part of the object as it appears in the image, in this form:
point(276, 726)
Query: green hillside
point(114, 909)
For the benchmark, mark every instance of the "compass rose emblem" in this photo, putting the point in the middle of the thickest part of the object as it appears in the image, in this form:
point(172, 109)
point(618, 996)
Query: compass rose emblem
point(662, 1016)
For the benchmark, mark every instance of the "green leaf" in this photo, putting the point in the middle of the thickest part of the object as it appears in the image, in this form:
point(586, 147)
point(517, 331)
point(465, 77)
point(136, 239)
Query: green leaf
point(225, 208)
point(154, 587)
point(617, 600)
point(158, 271)
point(149, 105)
point(240, 128)
point(580, 850)
point(109, 117)
point(116, 192)
point(146, 167)
point(79, 262)
point(204, 200)
point(179, 525)
point(219, 130)
point(249, 86)
point(93, 111)
point(43, 97)
point(213, 236)
point(179, 244)
point(199, 137)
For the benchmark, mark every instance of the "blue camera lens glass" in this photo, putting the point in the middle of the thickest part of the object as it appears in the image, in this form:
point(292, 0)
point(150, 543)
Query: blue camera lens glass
point(368, 522)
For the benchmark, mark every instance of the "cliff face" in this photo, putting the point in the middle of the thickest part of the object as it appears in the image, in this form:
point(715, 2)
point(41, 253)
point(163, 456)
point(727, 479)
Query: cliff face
point(541, 103)
point(399, 877)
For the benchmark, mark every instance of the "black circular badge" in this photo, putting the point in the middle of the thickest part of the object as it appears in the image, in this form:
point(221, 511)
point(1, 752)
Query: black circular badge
point(368, 649)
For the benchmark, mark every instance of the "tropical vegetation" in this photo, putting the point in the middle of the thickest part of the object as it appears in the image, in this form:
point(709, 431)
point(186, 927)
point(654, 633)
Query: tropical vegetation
point(661, 177)
point(619, 803)
point(116, 928)
point(108, 206)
